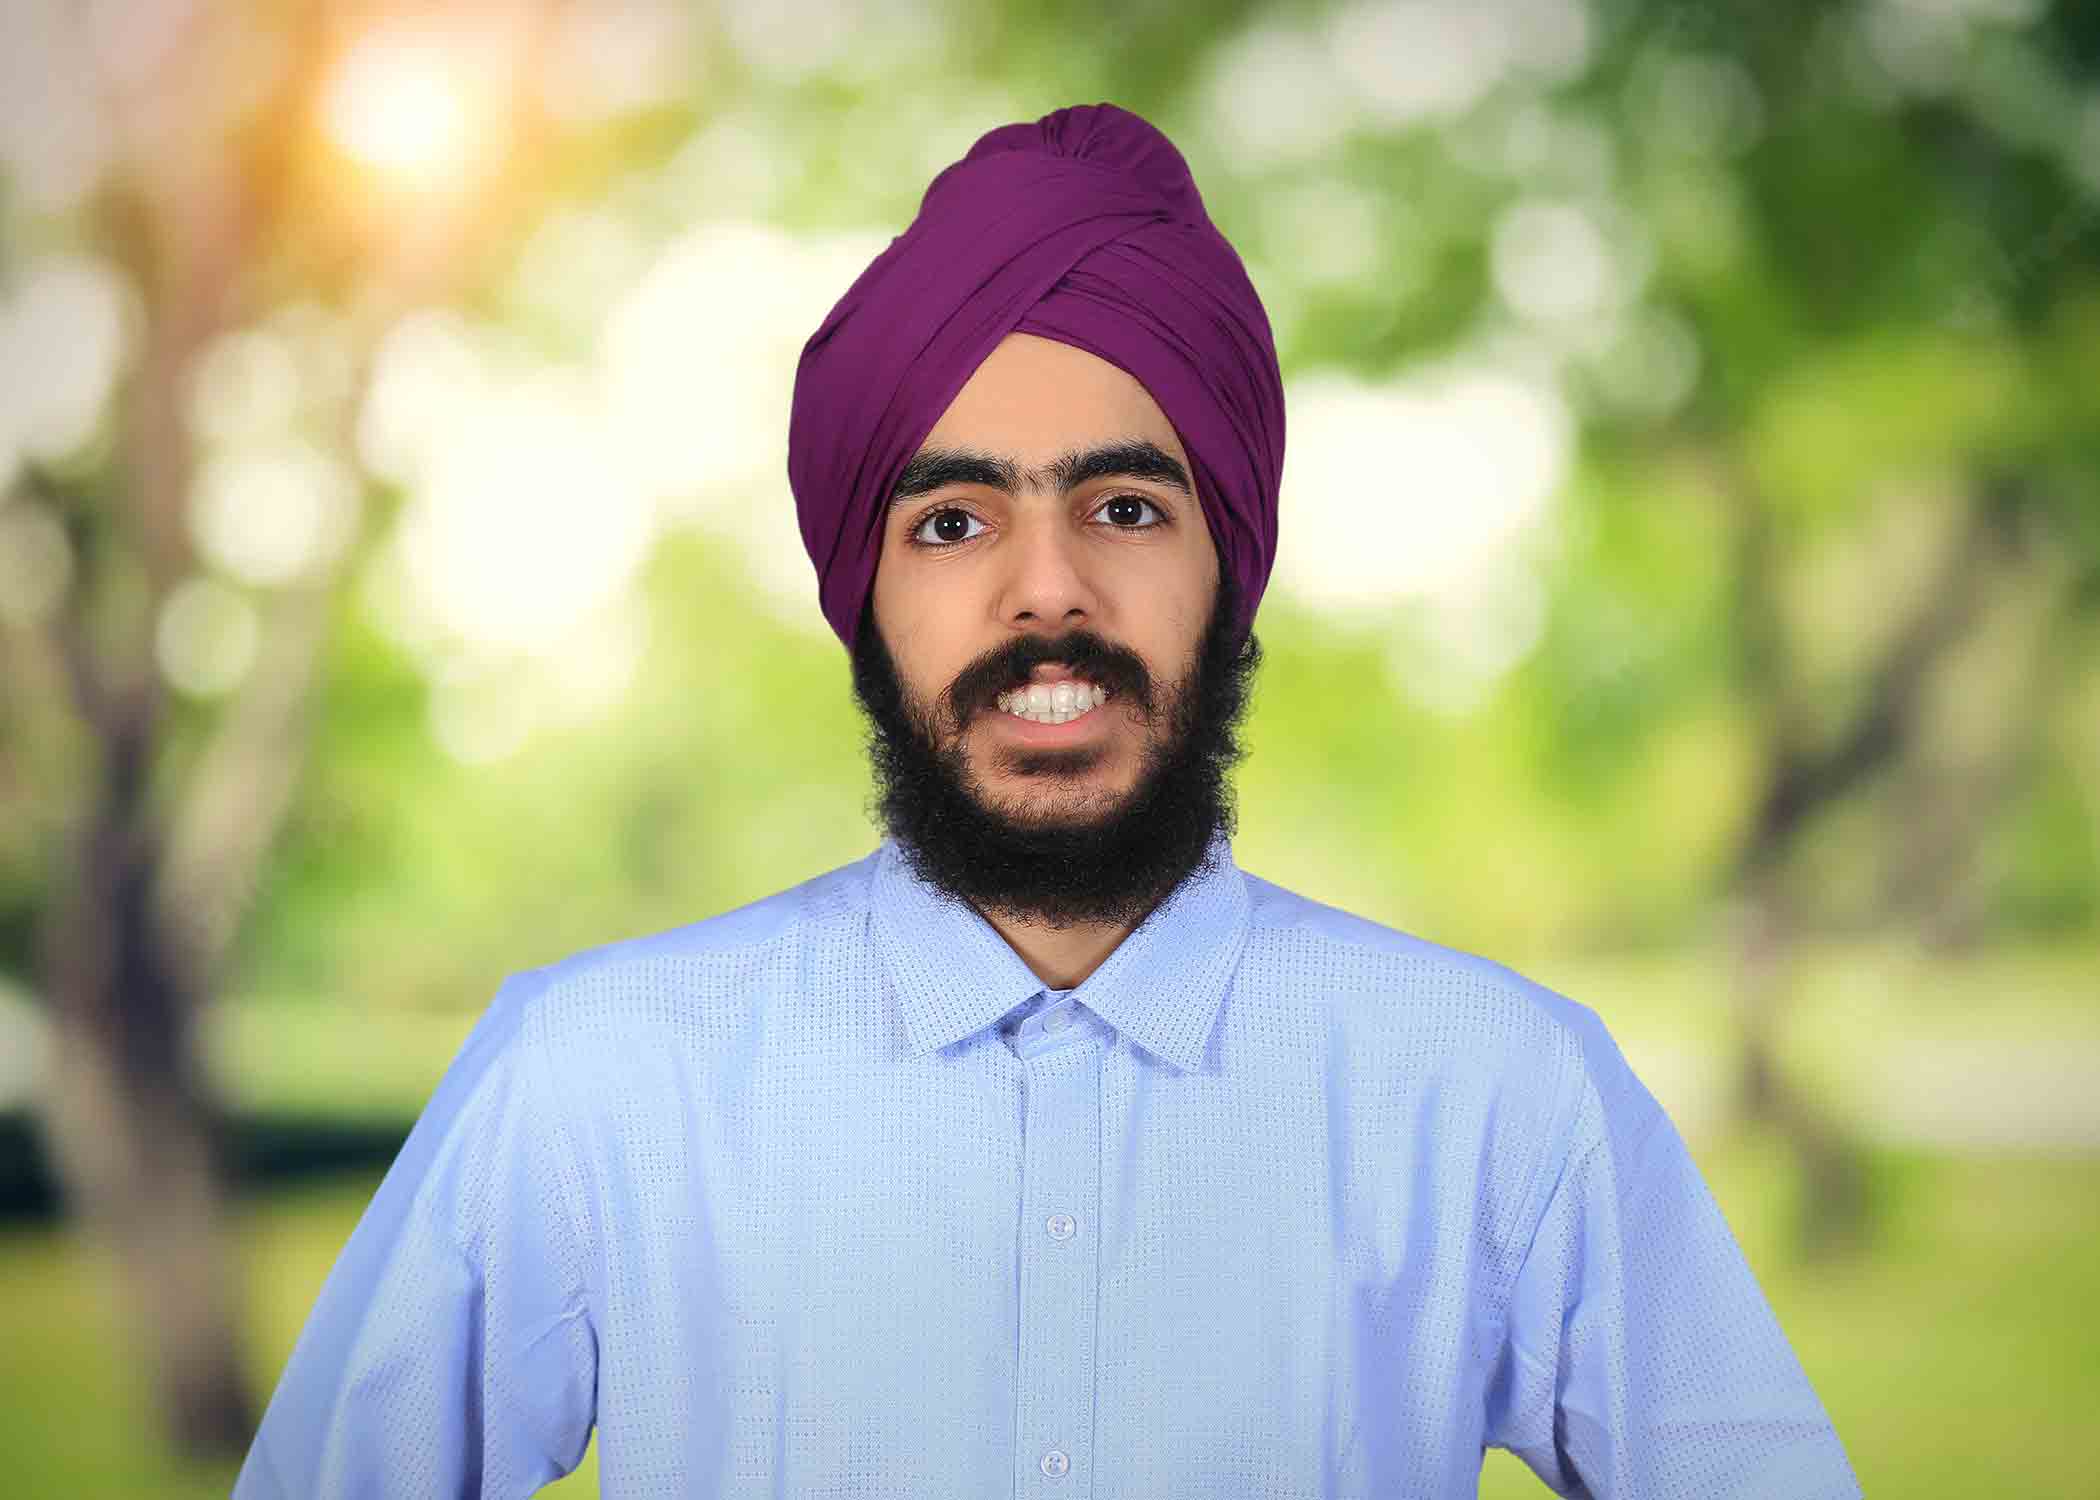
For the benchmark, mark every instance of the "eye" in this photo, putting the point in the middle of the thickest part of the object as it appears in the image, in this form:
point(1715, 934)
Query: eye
point(947, 523)
point(1126, 513)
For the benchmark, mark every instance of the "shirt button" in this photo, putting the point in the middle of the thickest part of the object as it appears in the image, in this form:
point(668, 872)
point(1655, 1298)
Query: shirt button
point(1057, 1020)
point(1061, 1226)
point(1055, 1463)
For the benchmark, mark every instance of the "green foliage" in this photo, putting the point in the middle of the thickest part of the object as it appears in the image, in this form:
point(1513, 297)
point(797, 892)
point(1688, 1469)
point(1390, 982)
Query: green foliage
point(1892, 290)
point(2052, 870)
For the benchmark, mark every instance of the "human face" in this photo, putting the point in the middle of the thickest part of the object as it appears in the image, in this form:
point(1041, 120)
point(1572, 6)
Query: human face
point(1014, 535)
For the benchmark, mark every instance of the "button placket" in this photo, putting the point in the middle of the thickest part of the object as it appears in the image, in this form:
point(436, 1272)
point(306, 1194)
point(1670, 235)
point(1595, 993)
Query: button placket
point(1059, 1274)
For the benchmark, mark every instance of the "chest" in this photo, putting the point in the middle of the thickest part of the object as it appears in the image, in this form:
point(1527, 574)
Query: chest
point(980, 1267)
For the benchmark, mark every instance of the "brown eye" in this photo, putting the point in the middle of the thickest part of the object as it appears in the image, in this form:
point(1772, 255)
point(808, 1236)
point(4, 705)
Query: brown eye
point(949, 527)
point(1127, 512)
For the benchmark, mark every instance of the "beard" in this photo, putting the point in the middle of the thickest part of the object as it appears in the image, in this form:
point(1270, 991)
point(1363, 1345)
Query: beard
point(1060, 861)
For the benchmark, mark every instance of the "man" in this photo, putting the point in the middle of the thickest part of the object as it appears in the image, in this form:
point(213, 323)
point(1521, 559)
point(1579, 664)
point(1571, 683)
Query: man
point(1043, 1151)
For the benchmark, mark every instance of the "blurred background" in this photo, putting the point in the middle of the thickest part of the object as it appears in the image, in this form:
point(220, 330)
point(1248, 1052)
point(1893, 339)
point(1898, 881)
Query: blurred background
point(1689, 595)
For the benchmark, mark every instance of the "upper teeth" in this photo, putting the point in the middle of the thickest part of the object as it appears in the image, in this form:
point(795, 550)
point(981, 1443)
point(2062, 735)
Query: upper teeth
point(1053, 702)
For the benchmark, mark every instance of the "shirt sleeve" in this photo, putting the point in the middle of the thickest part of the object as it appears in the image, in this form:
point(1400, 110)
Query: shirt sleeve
point(451, 1351)
point(1640, 1359)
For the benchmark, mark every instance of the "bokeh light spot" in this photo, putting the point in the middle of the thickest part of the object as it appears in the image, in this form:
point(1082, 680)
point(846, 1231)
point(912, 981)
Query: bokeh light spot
point(206, 638)
point(402, 102)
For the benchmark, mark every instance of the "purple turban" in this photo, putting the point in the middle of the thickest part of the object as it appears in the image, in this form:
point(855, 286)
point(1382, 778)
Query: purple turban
point(1084, 227)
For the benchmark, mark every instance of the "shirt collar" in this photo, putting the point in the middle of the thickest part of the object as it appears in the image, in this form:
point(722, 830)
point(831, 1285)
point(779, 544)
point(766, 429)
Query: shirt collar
point(1161, 987)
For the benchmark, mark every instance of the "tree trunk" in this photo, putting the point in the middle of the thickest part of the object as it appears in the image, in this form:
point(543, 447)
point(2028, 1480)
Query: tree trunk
point(1833, 1215)
point(128, 1117)
point(137, 1165)
point(1803, 781)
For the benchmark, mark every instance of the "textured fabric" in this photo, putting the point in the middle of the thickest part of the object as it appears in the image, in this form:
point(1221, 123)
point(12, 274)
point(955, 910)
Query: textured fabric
point(1085, 227)
point(829, 1197)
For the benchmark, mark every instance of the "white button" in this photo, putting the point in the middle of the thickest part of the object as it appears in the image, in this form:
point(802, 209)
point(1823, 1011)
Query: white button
point(1055, 1463)
point(1056, 1020)
point(1061, 1226)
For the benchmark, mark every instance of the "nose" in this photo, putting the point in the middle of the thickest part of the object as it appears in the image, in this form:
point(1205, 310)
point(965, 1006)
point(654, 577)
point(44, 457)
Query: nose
point(1047, 585)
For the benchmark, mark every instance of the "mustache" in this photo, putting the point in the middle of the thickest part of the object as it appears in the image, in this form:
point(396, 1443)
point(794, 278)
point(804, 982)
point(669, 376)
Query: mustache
point(978, 686)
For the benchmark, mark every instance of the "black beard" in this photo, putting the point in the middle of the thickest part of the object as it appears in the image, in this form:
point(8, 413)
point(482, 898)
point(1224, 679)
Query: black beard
point(1058, 872)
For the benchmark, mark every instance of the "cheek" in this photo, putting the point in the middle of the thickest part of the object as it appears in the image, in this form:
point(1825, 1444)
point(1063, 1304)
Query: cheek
point(1176, 606)
point(917, 601)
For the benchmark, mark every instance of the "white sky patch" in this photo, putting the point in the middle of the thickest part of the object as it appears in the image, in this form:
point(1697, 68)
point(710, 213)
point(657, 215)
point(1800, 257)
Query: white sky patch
point(698, 360)
point(534, 493)
point(1425, 493)
point(697, 367)
point(427, 377)
point(1408, 489)
point(595, 664)
point(485, 706)
point(65, 337)
point(526, 519)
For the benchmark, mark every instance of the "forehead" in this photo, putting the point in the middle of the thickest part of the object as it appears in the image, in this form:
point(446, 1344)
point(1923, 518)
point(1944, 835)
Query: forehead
point(1034, 398)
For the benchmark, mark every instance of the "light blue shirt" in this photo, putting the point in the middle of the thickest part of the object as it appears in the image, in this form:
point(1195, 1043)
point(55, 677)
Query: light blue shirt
point(828, 1196)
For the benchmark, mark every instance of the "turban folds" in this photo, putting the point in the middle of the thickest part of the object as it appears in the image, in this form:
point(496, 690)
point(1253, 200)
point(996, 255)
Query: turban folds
point(1084, 227)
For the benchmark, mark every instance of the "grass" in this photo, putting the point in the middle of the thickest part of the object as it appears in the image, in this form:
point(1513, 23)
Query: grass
point(1947, 1356)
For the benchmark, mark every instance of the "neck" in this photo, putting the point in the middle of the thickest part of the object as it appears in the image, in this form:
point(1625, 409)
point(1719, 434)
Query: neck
point(1061, 957)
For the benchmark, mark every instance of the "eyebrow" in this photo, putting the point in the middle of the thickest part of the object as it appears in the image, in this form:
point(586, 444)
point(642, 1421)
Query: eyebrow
point(1136, 458)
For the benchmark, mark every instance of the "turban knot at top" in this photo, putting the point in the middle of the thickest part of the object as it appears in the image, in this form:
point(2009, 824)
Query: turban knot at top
point(1084, 227)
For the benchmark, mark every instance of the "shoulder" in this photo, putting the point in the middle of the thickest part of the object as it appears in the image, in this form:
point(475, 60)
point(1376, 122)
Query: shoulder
point(1381, 982)
point(683, 975)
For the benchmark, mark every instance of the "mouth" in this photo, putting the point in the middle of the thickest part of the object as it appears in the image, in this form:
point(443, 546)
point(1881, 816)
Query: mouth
point(1058, 702)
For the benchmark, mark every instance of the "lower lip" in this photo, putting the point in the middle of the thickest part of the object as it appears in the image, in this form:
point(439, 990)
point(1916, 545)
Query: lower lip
point(1032, 733)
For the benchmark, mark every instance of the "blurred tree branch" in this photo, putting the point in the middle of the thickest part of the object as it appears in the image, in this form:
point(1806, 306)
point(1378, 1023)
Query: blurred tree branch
point(1803, 780)
point(1934, 876)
